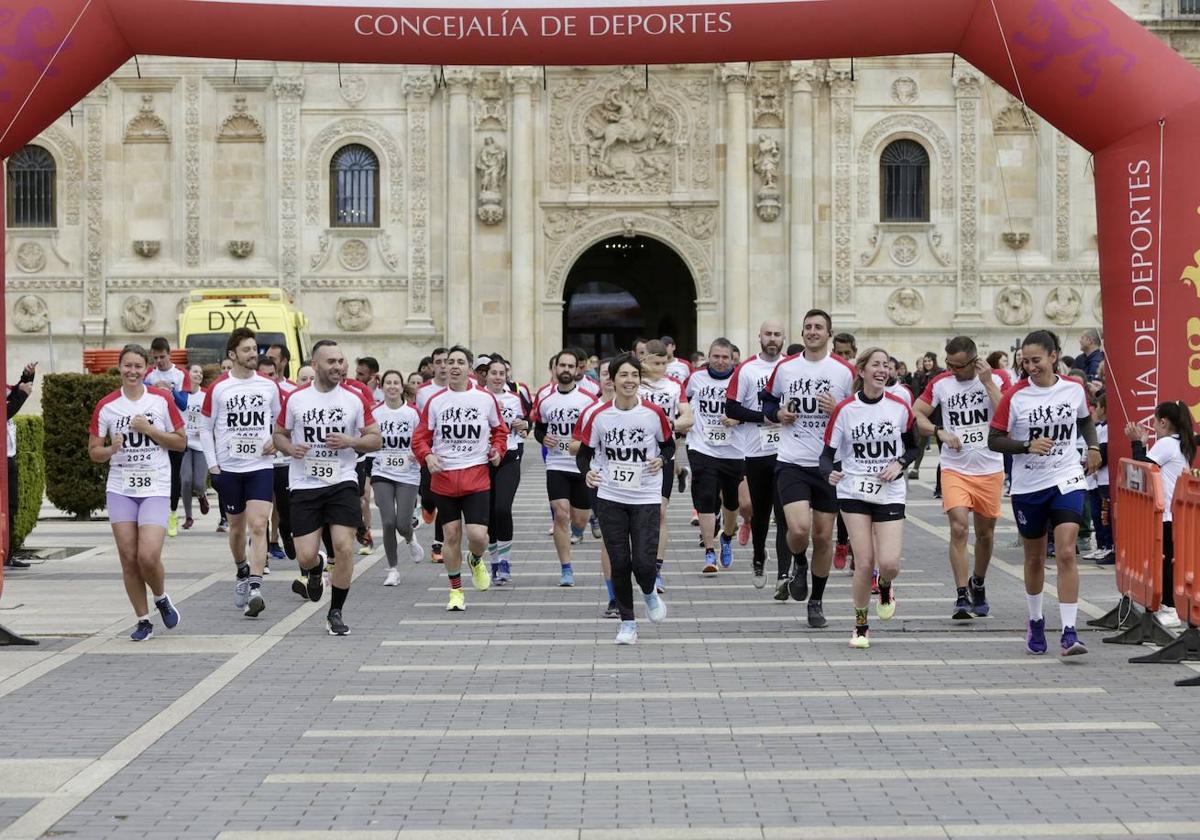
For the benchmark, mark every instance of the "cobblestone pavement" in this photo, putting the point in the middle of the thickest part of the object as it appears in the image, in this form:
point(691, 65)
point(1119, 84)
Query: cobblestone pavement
point(520, 718)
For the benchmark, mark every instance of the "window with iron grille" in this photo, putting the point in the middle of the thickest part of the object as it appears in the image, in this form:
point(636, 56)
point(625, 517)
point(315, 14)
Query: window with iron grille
point(904, 182)
point(31, 174)
point(354, 187)
point(1189, 7)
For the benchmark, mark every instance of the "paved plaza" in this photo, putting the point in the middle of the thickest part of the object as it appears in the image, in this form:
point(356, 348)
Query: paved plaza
point(520, 718)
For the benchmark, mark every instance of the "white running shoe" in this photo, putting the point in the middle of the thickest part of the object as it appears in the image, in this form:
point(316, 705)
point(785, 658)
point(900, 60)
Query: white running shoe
point(416, 551)
point(1168, 618)
point(393, 578)
point(626, 634)
point(656, 608)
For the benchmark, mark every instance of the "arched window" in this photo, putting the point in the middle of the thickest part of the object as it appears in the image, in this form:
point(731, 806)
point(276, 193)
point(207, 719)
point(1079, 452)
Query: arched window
point(354, 187)
point(31, 173)
point(904, 182)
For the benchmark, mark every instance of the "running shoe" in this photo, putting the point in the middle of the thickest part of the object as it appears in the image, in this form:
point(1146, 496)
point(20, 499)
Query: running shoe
point(435, 552)
point(567, 578)
point(457, 602)
point(1108, 558)
point(885, 609)
point(659, 586)
point(550, 531)
point(143, 631)
point(816, 614)
point(743, 533)
point(416, 522)
point(222, 527)
point(595, 525)
point(1167, 617)
point(760, 573)
point(612, 610)
point(204, 505)
point(682, 479)
point(726, 551)
point(627, 634)
point(166, 609)
point(979, 602)
point(275, 552)
point(875, 582)
point(255, 603)
point(504, 574)
point(841, 554)
point(962, 609)
point(576, 539)
point(1035, 637)
point(710, 562)
point(860, 639)
point(656, 608)
point(480, 576)
point(300, 587)
point(266, 569)
point(1071, 646)
point(798, 583)
point(781, 589)
point(393, 578)
point(427, 516)
point(416, 551)
point(172, 524)
point(241, 592)
point(315, 585)
point(188, 522)
point(695, 520)
point(366, 546)
point(335, 625)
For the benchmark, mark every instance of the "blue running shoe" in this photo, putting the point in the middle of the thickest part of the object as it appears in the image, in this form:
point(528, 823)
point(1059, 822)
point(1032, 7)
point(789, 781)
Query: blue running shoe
point(726, 551)
point(166, 609)
point(1071, 646)
point(275, 552)
point(1035, 639)
point(710, 562)
point(659, 587)
point(656, 610)
point(505, 573)
point(568, 578)
point(143, 631)
point(979, 602)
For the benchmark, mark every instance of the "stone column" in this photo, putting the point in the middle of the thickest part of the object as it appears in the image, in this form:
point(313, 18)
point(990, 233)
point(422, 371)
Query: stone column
point(966, 97)
point(522, 204)
point(802, 266)
point(737, 208)
point(460, 208)
point(94, 293)
point(418, 88)
point(289, 91)
point(842, 286)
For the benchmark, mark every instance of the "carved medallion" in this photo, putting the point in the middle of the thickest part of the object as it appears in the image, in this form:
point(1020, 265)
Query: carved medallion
point(30, 313)
point(137, 313)
point(354, 313)
point(1013, 306)
point(905, 306)
point(1063, 305)
point(30, 257)
point(904, 250)
point(353, 89)
point(353, 255)
point(905, 90)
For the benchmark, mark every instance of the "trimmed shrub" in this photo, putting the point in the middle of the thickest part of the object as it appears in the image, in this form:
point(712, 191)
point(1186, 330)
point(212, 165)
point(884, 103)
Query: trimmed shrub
point(31, 476)
point(73, 482)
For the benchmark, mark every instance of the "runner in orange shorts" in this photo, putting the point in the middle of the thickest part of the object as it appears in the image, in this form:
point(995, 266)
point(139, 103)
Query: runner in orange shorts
point(972, 475)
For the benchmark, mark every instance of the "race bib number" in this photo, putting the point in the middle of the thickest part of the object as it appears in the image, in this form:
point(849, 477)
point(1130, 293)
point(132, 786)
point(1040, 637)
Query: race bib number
point(718, 435)
point(1070, 485)
point(137, 481)
point(626, 476)
point(395, 463)
point(973, 437)
point(563, 445)
point(246, 447)
point(323, 468)
point(768, 437)
point(865, 488)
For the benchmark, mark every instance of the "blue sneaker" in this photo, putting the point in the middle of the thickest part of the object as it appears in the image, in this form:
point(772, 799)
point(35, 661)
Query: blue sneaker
point(568, 578)
point(505, 573)
point(1071, 646)
point(979, 602)
point(659, 586)
point(656, 610)
point(143, 631)
point(1035, 639)
point(275, 552)
point(710, 562)
point(166, 609)
point(726, 551)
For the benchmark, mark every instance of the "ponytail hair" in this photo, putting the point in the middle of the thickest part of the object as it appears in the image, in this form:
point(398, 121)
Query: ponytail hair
point(1177, 414)
point(861, 362)
point(1045, 339)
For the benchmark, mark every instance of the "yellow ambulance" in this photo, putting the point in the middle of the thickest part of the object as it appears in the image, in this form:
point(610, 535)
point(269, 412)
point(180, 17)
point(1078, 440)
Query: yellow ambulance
point(212, 314)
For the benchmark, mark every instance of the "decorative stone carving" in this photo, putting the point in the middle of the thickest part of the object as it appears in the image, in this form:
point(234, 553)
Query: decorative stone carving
point(343, 131)
point(492, 165)
point(766, 163)
point(904, 250)
point(905, 306)
point(418, 88)
point(842, 90)
point(942, 163)
point(490, 108)
point(354, 313)
point(905, 91)
point(1015, 239)
point(322, 253)
point(70, 165)
point(1014, 119)
point(768, 100)
point(353, 89)
point(30, 313)
point(240, 126)
point(1063, 305)
point(289, 91)
point(191, 170)
point(384, 243)
point(1062, 197)
point(147, 126)
point(239, 249)
point(30, 257)
point(147, 248)
point(354, 255)
point(967, 88)
point(1098, 308)
point(629, 135)
point(93, 116)
point(137, 313)
point(1013, 306)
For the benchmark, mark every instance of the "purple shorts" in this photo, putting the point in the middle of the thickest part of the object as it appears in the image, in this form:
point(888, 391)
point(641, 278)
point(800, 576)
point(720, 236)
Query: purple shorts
point(144, 510)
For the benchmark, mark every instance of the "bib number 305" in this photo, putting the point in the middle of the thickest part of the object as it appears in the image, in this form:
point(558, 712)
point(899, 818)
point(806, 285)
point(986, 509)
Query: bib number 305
point(246, 447)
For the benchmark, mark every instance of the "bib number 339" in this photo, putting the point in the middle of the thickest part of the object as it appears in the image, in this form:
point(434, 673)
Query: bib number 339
point(322, 468)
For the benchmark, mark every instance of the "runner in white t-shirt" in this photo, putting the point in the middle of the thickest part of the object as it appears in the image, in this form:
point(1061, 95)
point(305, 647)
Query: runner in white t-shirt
point(280, 545)
point(505, 476)
point(1099, 499)
point(193, 471)
point(395, 474)
point(1037, 422)
point(142, 425)
point(323, 426)
point(169, 377)
point(428, 506)
point(869, 442)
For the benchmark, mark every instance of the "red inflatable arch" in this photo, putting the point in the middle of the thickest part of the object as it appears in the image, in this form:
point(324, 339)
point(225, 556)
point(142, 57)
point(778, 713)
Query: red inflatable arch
point(1081, 64)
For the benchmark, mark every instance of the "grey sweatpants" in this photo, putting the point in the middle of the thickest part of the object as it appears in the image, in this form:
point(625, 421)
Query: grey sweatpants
point(193, 473)
point(396, 503)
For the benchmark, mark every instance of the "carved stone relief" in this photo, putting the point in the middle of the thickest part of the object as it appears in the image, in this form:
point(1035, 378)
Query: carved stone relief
point(30, 313)
point(904, 250)
point(842, 88)
point(353, 89)
point(1063, 305)
point(629, 135)
point(354, 313)
point(147, 126)
point(1013, 306)
point(240, 126)
point(767, 156)
point(137, 313)
point(1014, 119)
point(905, 306)
point(30, 257)
point(354, 255)
point(768, 100)
point(491, 110)
point(967, 88)
point(1062, 197)
point(191, 170)
point(93, 116)
point(492, 166)
point(1098, 308)
point(905, 91)
point(341, 132)
point(289, 91)
point(418, 89)
point(70, 164)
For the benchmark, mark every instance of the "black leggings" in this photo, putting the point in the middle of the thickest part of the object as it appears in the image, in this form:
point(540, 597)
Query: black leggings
point(631, 537)
point(283, 506)
point(843, 536)
point(428, 503)
point(1168, 570)
point(176, 470)
point(506, 477)
point(760, 480)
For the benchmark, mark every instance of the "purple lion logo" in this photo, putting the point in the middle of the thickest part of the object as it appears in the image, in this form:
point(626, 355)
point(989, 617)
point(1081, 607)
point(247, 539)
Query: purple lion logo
point(1058, 42)
point(21, 44)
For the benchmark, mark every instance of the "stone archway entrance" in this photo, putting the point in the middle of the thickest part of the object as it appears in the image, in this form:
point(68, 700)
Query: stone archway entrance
point(624, 287)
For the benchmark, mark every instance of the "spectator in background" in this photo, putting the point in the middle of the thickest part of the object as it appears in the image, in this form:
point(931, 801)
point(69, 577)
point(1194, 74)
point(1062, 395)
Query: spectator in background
point(1019, 371)
point(425, 368)
point(793, 349)
point(845, 346)
point(17, 395)
point(927, 371)
point(698, 360)
point(1092, 354)
point(902, 374)
point(998, 361)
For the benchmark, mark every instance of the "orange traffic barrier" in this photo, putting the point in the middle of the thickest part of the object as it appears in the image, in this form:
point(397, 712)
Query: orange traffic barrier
point(105, 359)
point(1139, 547)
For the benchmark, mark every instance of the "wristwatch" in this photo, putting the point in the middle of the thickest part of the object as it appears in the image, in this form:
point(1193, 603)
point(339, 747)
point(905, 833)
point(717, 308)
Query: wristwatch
point(1026, 445)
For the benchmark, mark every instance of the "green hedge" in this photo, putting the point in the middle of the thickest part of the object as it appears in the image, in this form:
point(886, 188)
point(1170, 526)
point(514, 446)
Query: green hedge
point(73, 482)
point(31, 473)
